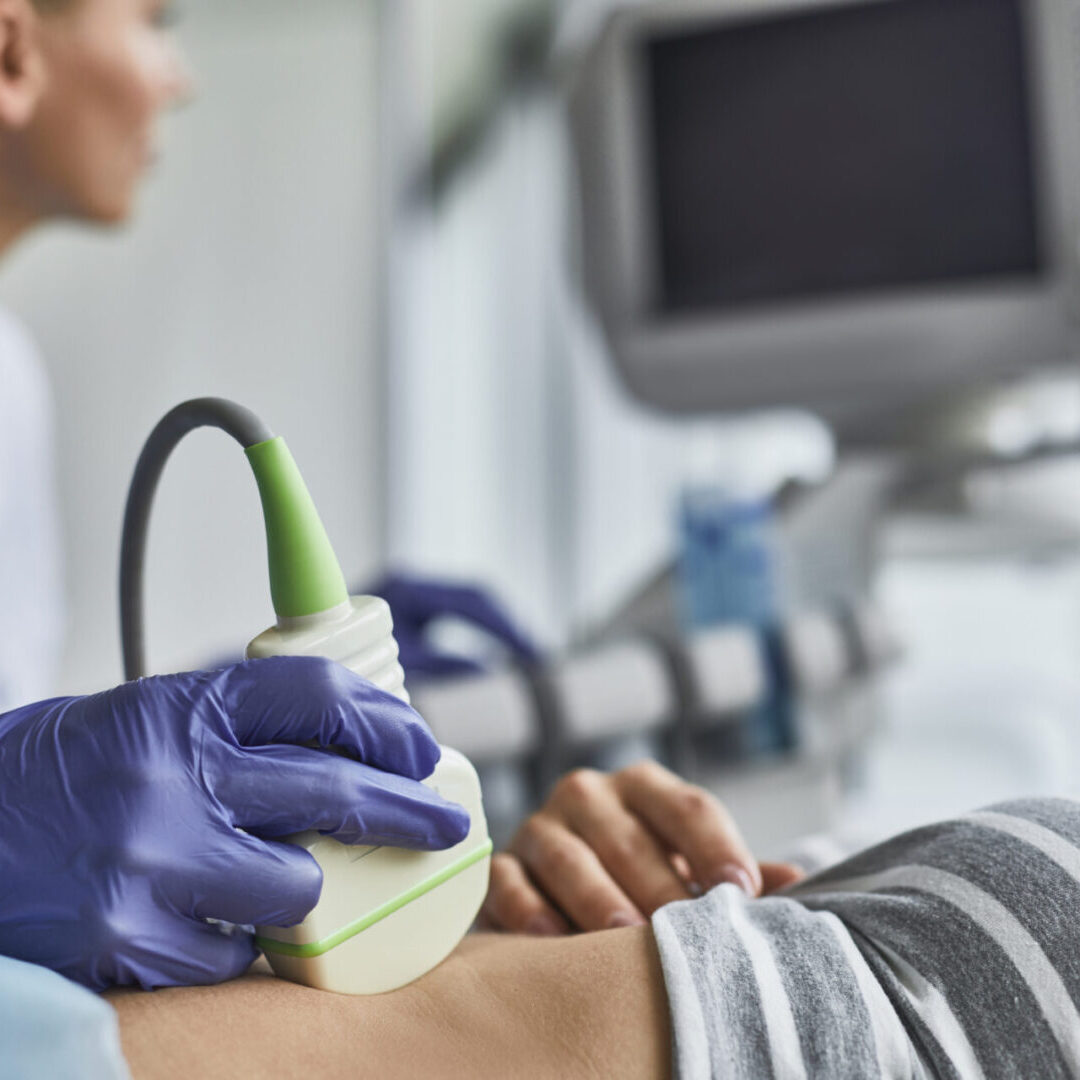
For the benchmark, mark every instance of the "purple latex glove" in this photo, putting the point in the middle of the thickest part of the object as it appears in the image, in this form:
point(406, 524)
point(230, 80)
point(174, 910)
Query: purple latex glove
point(119, 814)
point(416, 603)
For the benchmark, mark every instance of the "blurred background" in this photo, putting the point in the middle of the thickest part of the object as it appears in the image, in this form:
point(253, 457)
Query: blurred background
point(730, 346)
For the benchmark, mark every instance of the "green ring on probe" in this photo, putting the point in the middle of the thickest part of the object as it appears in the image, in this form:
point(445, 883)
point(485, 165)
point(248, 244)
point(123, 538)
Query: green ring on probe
point(317, 948)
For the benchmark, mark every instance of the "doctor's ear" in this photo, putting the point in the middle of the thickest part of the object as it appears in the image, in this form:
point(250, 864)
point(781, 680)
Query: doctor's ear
point(22, 66)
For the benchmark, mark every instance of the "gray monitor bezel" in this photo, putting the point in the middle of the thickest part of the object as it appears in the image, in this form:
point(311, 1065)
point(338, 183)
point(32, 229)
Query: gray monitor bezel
point(863, 363)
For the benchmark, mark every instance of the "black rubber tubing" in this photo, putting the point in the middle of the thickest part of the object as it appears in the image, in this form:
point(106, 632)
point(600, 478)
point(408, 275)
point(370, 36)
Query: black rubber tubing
point(235, 420)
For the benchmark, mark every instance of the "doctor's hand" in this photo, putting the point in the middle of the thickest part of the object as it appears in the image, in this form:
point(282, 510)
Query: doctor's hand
point(417, 603)
point(607, 850)
point(120, 814)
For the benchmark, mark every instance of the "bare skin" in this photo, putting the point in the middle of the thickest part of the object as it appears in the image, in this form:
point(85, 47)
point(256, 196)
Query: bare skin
point(587, 1006)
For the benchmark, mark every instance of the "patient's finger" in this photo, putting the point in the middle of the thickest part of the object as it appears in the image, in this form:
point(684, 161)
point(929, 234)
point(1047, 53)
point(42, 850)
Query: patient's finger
point(682, 867)
point(774, 876)
point(777, 876)
point(514, 904)
point(629, 852)
point(572, 876)
point(690, 821)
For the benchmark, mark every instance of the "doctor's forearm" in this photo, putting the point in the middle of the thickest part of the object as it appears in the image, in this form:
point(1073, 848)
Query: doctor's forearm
point(585, 1006)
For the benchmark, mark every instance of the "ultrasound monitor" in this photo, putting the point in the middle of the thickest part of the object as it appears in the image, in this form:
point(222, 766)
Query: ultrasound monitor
point(857, 207)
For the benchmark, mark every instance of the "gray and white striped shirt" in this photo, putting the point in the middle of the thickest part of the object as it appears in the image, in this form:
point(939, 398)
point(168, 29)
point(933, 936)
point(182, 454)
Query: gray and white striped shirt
point(952, 951)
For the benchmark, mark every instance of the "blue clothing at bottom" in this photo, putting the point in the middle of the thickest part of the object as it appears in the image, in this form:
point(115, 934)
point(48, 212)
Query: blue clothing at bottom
point(53, 1029)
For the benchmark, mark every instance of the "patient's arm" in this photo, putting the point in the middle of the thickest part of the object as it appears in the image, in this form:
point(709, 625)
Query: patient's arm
point(586, 1006)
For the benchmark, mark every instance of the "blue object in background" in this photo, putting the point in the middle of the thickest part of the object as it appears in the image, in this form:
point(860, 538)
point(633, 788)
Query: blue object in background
point(729, 559)
point(730, 573)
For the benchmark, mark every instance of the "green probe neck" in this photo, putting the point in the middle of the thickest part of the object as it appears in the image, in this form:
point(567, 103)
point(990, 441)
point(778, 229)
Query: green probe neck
point(305, 576)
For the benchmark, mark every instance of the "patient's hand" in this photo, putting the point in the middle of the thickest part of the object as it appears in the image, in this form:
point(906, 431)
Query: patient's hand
point(607, 850)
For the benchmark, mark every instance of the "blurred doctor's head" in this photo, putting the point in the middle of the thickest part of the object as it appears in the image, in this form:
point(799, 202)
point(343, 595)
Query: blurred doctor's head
point(82, 83)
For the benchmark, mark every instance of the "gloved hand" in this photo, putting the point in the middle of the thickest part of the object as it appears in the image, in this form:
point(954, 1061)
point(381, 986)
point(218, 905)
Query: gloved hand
point(119, 814)
point(416, 603)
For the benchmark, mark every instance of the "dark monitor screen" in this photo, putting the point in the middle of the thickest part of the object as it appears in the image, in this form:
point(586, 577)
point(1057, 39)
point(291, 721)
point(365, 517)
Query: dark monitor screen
point(852, 149)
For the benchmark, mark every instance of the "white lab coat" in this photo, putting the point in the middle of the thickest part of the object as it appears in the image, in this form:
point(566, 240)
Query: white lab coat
point(50, 1029)
point(31, 593)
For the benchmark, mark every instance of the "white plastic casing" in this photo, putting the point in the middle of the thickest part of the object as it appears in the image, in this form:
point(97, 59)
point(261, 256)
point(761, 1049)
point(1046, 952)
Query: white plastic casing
point(358, 634)
point(385, 915)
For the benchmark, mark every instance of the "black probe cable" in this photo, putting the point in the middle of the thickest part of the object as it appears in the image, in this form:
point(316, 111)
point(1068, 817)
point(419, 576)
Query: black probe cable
point(248, 430)
point(244, 426)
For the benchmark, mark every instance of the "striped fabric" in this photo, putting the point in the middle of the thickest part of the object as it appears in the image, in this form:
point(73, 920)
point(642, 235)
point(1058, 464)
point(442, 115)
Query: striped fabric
point(952, 951)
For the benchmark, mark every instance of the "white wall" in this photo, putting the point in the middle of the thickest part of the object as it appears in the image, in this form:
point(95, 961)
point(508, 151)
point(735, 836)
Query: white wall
point(249, 273)
point(517, 457)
